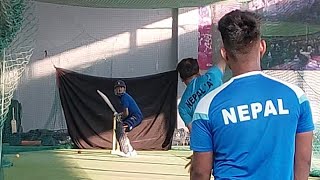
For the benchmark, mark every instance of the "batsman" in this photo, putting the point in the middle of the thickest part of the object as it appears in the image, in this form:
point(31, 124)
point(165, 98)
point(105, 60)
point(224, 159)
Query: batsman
point(130, 117)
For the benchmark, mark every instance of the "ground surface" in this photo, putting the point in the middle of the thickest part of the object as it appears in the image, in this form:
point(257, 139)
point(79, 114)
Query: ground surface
point(97, 165)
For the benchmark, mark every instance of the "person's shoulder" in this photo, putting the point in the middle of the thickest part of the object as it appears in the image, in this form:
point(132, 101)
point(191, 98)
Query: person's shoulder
point(129, 97)
point(126, 95)
point(214, 70)
point(212, 74)
point(291, 87)
point(204, 104)
point(188, 89)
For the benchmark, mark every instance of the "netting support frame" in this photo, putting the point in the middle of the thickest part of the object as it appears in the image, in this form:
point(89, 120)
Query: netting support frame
point(2, 110)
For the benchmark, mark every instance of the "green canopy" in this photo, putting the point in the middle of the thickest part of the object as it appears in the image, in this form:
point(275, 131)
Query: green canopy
point(133, 4)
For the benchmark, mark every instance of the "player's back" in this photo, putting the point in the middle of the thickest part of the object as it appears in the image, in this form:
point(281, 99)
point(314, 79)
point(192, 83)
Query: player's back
point(197, 89)
point(253, 120)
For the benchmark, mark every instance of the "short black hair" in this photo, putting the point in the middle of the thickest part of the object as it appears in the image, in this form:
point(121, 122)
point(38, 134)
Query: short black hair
point(188, 67)
point(239, 29)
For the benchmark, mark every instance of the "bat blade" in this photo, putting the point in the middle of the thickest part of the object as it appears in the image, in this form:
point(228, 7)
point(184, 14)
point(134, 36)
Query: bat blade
point(106, 99)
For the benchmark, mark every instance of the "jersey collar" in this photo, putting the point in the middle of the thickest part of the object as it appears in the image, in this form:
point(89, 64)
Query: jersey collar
point(247, 74)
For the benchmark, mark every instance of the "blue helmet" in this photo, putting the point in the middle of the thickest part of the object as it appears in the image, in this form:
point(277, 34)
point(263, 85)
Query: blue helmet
point(119, 92)
point(120, 83)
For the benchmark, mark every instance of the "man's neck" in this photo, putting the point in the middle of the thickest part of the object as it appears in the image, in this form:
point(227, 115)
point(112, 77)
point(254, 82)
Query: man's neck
point(247, 62)
point(241, 68)
point(240, 71)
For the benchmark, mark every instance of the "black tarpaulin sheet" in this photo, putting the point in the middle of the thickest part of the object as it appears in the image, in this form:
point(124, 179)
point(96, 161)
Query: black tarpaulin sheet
point(89, 119)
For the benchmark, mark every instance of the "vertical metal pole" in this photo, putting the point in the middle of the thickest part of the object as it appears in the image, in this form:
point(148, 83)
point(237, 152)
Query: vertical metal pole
point(2, 83)
point(175, 42)
point(175, 35)
point(2, 107)
point(306, 33)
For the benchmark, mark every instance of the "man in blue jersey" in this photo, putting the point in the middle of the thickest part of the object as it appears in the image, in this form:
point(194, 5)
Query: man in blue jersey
point(256, 126)
point(197, 85)
point(131, 116)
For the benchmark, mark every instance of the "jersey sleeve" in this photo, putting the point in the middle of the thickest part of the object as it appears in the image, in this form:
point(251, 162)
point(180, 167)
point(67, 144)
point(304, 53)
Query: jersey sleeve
point(185, 116)
point(201, 136)
point(305, 122)
point(125, 102)
point(215, 75)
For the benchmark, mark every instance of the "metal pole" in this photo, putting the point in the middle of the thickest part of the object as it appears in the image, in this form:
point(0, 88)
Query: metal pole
point(175, 42)
point(306, 34)
point(2, 83)
point(175, 36)
point(2, 108)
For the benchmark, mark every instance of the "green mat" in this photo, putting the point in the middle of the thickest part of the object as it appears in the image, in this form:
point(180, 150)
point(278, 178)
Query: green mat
point(99, 165)
point(6, 162)
point(18, 149)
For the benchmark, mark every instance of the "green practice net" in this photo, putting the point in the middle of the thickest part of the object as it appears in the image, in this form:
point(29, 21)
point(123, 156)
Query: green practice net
point(17, 30)
point(18, 27)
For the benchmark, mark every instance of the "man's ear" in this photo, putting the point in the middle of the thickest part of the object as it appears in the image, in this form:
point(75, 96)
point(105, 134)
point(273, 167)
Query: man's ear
point(223, 53)
point(263, 48)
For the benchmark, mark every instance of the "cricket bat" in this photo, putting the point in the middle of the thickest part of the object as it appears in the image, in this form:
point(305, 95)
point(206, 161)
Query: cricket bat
point(106, 99)
point(115, 145)
point(13, 123)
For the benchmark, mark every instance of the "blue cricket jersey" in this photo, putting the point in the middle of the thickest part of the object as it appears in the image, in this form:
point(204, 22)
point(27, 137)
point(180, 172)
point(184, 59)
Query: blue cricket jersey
point(128, 102)
point(250, 124)
point(197, 89)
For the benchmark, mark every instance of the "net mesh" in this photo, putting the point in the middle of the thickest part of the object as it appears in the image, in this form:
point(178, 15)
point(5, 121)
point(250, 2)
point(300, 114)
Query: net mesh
point(133, 4)
point(310, 83)
point(11, 13)
point(17, 30)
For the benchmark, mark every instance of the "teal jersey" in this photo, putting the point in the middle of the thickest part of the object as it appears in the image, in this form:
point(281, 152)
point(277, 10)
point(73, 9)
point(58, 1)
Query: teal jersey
point(197, 89)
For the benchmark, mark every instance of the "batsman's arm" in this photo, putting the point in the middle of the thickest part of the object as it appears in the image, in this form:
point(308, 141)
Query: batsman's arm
point(125, 113)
